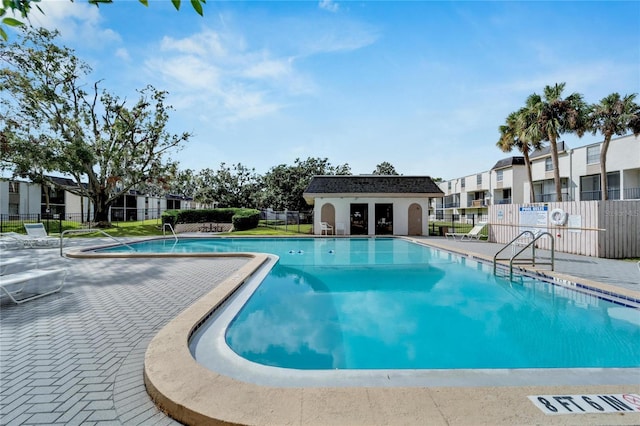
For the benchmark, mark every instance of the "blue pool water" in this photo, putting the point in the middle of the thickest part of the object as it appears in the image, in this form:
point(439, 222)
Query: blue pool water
point(387, 303)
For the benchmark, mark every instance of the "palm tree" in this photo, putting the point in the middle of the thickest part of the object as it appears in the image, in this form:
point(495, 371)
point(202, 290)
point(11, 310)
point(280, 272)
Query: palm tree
point(513, 135)
point(556, 115)
point(613, 116)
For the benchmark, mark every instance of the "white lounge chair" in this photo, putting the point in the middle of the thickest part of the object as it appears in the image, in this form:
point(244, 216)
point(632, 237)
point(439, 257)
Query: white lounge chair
point(13, 284)
point(341, 229)
point(325, 228)
point(13, 240)
point(474, 233)
point(38, 233)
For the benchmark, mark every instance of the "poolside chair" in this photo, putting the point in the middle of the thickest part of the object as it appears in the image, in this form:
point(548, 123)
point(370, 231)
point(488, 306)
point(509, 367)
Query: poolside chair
point(341, 229)
point(38, 233)
point(13, 285)
point(13, 240)
point(325, 228)
point(474, 233)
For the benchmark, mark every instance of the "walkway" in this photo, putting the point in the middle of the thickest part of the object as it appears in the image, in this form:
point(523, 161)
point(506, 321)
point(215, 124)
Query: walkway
point(76, 357)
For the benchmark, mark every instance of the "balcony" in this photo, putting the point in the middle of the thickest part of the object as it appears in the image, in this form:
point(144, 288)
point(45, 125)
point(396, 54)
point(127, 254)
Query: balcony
point(546, 198)
point(477, 203)
point(613, 194)
point(503, 201)
point(631, 193)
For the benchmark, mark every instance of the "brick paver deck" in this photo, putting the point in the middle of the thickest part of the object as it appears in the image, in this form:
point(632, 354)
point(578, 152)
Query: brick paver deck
point(76, 357)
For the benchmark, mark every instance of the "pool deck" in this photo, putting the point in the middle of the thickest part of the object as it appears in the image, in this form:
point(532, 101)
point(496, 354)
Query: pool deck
point(77, 357)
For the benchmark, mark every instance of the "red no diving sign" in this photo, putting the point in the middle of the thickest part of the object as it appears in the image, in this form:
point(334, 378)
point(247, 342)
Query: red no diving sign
point(587, 404)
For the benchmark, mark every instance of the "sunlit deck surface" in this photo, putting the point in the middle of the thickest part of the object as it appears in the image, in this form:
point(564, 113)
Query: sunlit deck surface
point(78, 356)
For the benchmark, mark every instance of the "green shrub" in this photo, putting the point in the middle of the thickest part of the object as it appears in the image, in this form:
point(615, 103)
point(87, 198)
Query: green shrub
point(242, 219)
point(170, 217)
point(246, 219)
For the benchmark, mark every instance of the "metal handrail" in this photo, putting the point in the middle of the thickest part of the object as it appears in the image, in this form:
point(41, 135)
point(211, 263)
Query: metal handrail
point(87, 231)
point(512, 259)
point(164, 226)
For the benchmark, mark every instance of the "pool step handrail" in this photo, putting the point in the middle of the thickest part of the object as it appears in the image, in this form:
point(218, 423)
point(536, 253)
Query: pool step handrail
point(532, 260)
point(88, 231)
point(164, 227)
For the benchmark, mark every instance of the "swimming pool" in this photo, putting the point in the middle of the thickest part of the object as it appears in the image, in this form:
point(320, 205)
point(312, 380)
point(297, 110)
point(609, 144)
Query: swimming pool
point(387, 303)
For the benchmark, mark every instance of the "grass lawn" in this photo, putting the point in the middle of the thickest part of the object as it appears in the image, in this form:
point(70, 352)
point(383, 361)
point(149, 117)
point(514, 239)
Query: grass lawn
point(152, 228)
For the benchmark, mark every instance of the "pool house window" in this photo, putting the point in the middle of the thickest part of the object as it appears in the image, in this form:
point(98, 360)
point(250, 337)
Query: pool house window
point(548, 164)
point(479, 179)
point(499, 175)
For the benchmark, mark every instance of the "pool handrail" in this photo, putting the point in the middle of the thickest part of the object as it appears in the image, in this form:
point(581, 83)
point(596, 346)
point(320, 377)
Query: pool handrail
point(87, 231)
point(164, 227)
point(512, 259)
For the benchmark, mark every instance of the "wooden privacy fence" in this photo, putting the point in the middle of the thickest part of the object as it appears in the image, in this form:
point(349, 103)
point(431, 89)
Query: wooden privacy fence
point(609, 229)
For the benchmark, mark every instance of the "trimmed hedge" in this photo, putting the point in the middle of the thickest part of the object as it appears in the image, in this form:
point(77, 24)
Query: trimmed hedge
point(242, 219)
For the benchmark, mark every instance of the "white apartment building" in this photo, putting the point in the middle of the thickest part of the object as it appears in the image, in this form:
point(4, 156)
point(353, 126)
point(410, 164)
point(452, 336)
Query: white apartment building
point(507, 182)
point(21, 198)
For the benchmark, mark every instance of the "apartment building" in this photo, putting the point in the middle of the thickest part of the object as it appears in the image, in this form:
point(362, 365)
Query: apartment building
point(21, 198)
point(507, 182)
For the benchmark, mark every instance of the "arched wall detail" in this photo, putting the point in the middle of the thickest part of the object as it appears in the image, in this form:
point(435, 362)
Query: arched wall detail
point(328, 214)
point(415, 219)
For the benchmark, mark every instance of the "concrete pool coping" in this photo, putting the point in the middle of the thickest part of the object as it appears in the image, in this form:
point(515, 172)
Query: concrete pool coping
point(193, 394)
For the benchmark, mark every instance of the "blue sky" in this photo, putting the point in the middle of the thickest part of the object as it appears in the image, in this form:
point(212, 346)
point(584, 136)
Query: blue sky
point(423, 85)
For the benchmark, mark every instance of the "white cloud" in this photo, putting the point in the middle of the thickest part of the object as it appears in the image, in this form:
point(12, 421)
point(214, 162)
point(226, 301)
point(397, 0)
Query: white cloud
point(123, 54)
point(217, 71)
point(77, 21)
point(329, 5)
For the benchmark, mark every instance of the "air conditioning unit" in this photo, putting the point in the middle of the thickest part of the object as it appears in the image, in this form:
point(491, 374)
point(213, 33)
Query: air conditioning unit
point(487, 201)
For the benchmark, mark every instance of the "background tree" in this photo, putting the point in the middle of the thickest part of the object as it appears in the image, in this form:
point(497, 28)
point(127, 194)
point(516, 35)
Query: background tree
point(385, 168)
point(513, 134)
point(184, 182)
point(50, 124)
point(284, 184)
point(555, 116)
point(614, 115)
point(24, 7)
point(235, 186)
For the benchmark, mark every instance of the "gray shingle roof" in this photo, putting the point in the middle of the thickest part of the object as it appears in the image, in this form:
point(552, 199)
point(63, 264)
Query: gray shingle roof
point(508, 162)
point(373, 184)
point(547, 150)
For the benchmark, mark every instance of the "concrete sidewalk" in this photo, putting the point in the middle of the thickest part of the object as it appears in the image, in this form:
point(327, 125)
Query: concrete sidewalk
point(76, 357)
point(620, 273)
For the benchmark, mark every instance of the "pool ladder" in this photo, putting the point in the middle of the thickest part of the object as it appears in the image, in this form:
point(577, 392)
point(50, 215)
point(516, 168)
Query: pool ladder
point(520, 261)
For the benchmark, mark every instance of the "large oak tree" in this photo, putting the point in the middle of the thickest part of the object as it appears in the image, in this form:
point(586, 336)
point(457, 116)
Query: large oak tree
point(50, 123)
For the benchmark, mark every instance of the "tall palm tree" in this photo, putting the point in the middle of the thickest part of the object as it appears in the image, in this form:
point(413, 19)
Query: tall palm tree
point(613, 116)
point(513, 134)
point(556, 115)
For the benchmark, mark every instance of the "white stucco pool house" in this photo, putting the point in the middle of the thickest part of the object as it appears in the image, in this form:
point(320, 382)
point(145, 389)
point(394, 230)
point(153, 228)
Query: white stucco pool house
point(371, 204)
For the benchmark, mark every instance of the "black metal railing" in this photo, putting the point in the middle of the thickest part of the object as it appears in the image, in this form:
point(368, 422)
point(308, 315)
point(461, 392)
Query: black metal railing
point(547, 198)
point(631, 193)
point(294, 221)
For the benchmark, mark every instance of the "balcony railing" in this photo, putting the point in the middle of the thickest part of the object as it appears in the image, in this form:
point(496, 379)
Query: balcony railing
point(631, 193)
point(452, 204)
point(613, 194)
point(545, 198)
point(503, 201)
point(477, 203)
